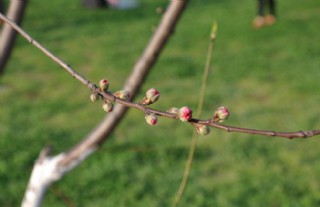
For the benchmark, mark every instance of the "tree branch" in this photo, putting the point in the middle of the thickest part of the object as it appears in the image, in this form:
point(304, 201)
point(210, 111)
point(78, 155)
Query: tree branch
point(55, 167)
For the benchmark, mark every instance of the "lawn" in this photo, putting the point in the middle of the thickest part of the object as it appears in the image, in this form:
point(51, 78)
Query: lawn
point(268, 78)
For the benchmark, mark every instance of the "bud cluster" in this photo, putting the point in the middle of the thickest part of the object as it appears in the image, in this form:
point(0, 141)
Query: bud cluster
point(184, 113)
point(152, 95)
point(108, 105)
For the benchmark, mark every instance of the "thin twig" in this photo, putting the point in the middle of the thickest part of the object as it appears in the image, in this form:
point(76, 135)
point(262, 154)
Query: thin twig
point(193, 142)
point(65, 66)
point(289, 135)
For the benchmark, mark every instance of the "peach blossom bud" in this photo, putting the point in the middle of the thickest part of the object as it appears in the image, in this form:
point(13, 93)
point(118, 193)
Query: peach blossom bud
point(203, 129)
point(173, 110)
point(94, 97)
point(152, 95)
point(123, 94)
point(151, 118)
point(221, 114)
point(104, 85)
point(185, 113)
point(107, 106)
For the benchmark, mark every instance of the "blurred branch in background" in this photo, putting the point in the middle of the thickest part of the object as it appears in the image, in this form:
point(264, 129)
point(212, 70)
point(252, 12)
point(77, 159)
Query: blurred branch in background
point(8, 34)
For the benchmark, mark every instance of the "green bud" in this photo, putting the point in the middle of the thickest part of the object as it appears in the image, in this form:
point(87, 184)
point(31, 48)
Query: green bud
point(104, 85)
point(94, 97)
point(221, 114)
point(107, 106)
point(203, 129)
point(123, 94)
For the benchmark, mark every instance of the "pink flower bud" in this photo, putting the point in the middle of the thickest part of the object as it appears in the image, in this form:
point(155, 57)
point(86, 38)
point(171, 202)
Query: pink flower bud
point(203, 129)
point(152, 95)
point(185, 113)
point(151, 118)
point(221, 114)
point(123, 94)
point(107, 106)
point(104, 85)
point(94, 97)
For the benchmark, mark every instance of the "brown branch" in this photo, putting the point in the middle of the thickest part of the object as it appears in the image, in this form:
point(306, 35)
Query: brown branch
point(135, 80)
point(289, 135)
point(64, 65)
point(119, 111)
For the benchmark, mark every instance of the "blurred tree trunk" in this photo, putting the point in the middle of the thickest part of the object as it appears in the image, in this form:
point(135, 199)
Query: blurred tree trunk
point(8, 34)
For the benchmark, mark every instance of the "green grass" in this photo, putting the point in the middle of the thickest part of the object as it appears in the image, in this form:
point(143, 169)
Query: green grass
point(269, 79)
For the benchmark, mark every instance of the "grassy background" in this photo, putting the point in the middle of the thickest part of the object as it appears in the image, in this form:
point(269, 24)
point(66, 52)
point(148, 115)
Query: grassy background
point(269, 79)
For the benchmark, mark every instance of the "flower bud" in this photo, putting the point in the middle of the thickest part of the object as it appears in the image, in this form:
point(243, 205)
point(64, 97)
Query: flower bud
point(94, 97)
point(107, 106)
point(173, 110)
point(152, 95)
point(221, 114)
point(151, 118)
point(185, 113)
point(123, 94)
point(203, 129)
point(104, 85)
